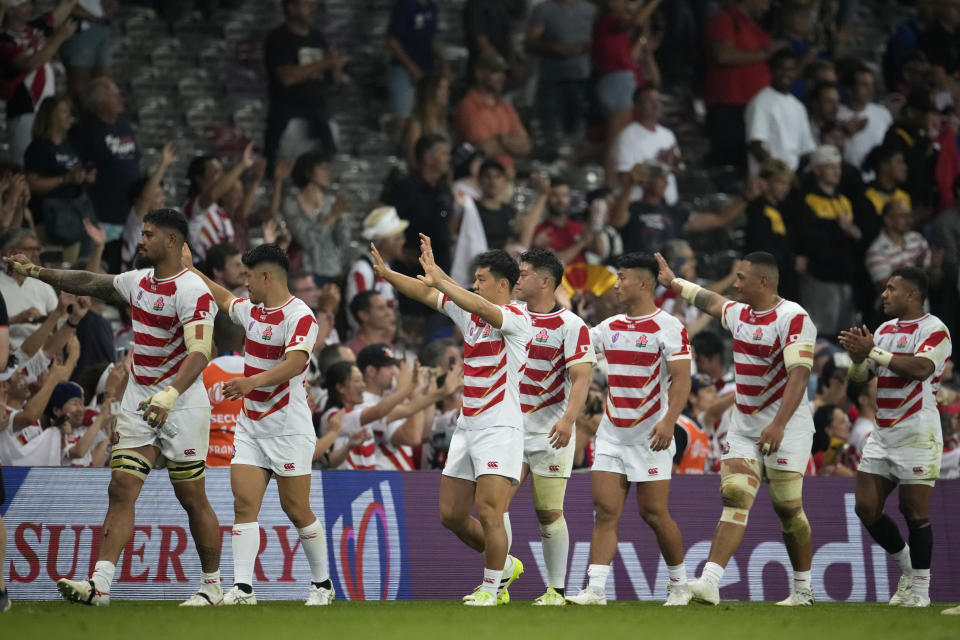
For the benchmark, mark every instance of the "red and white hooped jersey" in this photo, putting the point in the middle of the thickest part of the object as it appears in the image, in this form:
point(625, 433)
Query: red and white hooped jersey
point(389, 457)
point(363, 456)
point(282, 409)
point(637, 351)
point(493, 363)
point(760, 371)
point(362, 278)
point(161, 310)
point(903, 403)
point(558, 340)
point(207, 227)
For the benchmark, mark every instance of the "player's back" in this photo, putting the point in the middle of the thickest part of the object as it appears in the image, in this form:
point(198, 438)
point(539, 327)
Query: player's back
point(903, 403)
point(637, 350)
point(760, 368)
point(280, 409)
point(559, 339)
point(159, 309)
point(224, 412)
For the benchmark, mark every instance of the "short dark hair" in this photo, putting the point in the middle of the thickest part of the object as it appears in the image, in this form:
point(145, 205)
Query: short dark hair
point(431, 352)
point(639, 260)
point(881, 155)
point(227, 335)
point(545, 260)
point(781, 56)
point(487, 165)
point(267, 253)
point(763, 259)
point(328, 356)
point(217, 257)
point(426, 142)
point(642, 89)
point(500, 264)
point(304, 165)
point(916, 277)
point(819, 88)
point(707, 344)
point(559, 181)
point(168, 219)
point(362, 302)
point(195, 171)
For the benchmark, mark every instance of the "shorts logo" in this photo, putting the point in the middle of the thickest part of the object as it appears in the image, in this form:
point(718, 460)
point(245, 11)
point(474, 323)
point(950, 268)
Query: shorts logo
point(642, 341)
point(289, 466)
point(189, 452)
point(758, 334)
point(158, 304)
point(267, 333)
point(554, 468)
point(901, 342)
point(782, 461)
point(653, 472)
point(493, 464)
point(918, 469)
point(542, 336)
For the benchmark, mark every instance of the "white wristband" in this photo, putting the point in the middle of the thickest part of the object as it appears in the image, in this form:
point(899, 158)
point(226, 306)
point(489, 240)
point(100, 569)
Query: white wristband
point(688, 290)
point(881, 356)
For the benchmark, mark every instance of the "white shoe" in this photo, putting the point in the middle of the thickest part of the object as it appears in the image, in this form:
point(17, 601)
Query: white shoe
point(916, 600)
point(903, 591)
point(587, 597)
point(482, 599)
point(952, 611)
point(202, 599)
point(678, 595)
point(83, 592)
point(550, 599)
point(704, 592)
point(799, 597)
point(236, 596)
point(319, 596)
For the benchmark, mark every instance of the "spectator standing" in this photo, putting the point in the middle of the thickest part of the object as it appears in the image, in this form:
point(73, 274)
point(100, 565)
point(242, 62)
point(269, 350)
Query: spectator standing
point(910, 135)
point(823, 105)
point(315, 215)
point(776, 122)
point(865, 121)
point(896, 246)
point(498, 217)
point(646, 139)
point(58, 179)
point(297, 57)
point(105, 140)
point(941, 44)
point(558, 232)
point(486, 120)
point(429, 114)
point(410, 39)
point(946, 238)
point(770, 222)
point(827, 246)
point(26, 76)
point(385, 230)
point(739, 48)
point(487, 25)
point(559, 32)
point(86, 55)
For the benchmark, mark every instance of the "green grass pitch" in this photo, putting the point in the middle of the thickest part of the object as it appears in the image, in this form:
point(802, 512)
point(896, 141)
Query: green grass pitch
point(420, 620)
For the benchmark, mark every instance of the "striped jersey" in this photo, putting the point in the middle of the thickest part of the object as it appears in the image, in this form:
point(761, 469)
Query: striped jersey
point(278, 410)
point(362, 278)
point(558, 340)
point(161, 310)
point(363, 456)
point(760, 372)
point(389, 457)
point(493, 364)
point(207, 227)
point(637, 351)
point(903, 403)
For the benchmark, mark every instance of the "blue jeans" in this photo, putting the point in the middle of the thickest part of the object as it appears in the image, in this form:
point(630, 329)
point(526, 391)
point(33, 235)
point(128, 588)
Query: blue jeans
point(560, 104)
point(400, 91)
point(615, 91)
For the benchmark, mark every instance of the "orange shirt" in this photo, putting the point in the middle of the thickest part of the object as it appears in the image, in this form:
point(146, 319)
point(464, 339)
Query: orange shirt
point(224, 413)
point(694, 458)
point(478, 121)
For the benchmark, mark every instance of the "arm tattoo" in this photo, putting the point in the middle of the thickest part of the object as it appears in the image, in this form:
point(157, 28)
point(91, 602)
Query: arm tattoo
point(703, 299)
point(83, 283)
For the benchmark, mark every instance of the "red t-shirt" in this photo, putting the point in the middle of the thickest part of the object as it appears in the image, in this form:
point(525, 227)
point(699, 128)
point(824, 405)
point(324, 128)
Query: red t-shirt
point(611, 47)
point(735, 84)
point(558, 237)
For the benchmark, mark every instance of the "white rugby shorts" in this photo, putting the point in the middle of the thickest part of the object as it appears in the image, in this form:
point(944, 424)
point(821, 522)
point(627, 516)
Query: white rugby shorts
point(283, 455)
point(188, 445)
point(492, 451)
point(912, 458)
point(546, 461)
point(793, 454)
point(635, 461)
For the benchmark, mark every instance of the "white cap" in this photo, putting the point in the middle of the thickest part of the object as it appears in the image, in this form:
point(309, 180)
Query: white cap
point(825, 154)
point(383, 222)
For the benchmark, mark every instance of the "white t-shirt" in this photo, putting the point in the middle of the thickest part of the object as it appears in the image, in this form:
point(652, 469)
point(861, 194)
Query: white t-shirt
point(493, 363)
point(20, 297)
point(861, 143)
point(636, 144)
point(780, 122)
point(278, 410)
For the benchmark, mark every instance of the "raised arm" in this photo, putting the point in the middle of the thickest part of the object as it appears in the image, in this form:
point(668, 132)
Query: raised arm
point(219, 188)
point(406, 379)
point(81, 283)
point(168, 154)
point(410, 287)
point(34, 407)
point(434, 277)
point(221, 295)
point(703, 299)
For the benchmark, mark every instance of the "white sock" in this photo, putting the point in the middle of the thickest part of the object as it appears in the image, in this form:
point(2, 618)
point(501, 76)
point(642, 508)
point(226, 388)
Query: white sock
point(598, 574)
point(801, 580)
point(556, 547)
point(491, 580)
point(509, 529)
point(903, 559)
point(678, 574)
point(314, 545)
point(507, 573)
point(712, 573)
point(210, 582)
point(920, 582)
point(103, 576)
point(245, 542)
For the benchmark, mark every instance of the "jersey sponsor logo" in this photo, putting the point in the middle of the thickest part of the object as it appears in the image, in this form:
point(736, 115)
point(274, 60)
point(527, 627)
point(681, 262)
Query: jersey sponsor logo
point(642, 341)
point(902, 342)
point(158, 304)
point(758, 334)
point(289, 466)
point(189, 452)
point(493, 464)
point(267, 333)
point(542, 336)
point(554, 468)
point(653, 471)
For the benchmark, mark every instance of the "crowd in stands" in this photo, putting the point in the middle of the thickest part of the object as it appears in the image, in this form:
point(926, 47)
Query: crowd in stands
point(510, 124)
